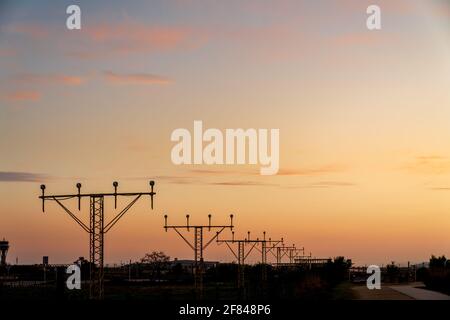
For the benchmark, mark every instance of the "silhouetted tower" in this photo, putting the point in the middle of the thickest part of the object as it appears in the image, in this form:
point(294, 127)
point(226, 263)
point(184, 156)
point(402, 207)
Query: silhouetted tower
point(97, 227)
point(241, 255)
point(292, 252)
point(295, 253)
point(267, 246)
point(4, 247)
point(198, 246)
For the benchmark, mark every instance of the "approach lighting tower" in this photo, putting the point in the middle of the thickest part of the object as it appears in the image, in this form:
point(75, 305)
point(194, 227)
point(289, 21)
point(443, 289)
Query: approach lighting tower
point(198, 246)
point(241, 255)
point(287, 251)
point(97, 227)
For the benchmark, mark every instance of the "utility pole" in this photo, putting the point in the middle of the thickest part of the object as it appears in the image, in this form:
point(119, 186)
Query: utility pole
point(198, 246)
point(97, 227)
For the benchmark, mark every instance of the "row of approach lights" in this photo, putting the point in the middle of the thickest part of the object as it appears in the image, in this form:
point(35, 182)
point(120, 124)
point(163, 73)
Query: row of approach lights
point(152, 184)
point(209, 226)
point(79, 195)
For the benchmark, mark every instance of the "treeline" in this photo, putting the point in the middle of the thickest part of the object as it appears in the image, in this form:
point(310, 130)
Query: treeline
point(437, 276)
point(221, 280)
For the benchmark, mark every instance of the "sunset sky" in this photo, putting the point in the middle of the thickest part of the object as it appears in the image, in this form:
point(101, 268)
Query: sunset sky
point(364, 119)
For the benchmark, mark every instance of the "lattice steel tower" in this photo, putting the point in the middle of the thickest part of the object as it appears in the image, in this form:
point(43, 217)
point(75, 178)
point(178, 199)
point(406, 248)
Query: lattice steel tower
point(241, 255)
point(198, 246)
point(97, 227)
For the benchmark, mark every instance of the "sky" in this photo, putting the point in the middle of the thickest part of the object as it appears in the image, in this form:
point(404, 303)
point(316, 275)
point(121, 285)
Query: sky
point(363, 119)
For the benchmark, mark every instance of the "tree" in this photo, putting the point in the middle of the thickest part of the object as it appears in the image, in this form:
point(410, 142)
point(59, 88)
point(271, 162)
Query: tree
point(438, 262)
point(157, 261)
point(337, 269)
point(392, 272)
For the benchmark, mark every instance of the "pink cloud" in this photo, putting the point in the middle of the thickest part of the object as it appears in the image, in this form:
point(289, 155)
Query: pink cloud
point(130, 37)
point(44, 79)
point(116, 38)
point(164, 38)
point(429, 164)
point(24, 96)
point(362, 38)
point(140, 78)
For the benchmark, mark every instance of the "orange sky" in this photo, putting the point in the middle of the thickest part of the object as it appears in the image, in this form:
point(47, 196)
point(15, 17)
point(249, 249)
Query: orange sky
point(363, 119)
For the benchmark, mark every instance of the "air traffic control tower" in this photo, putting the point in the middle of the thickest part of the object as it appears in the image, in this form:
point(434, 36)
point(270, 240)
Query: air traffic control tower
point(4, 246)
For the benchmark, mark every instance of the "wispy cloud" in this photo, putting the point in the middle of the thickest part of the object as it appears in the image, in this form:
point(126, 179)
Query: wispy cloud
point(222, 172)
point(440, 188)
point(176, 179)
point(21, 95)
point(191, 180)
point(429, 164)
point(243, 183)
point(362, 38)
point(307, 171)
point(312, 171)
point(138, 34)
point(118, 38)
point(131, 37)
point(44, 79)
point(322, 184)
point(138, 78)
point(28, 87)
point(328, 184)
point(12, 176)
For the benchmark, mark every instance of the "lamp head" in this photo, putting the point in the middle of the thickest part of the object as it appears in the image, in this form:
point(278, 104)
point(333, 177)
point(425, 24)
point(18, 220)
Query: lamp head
point(78, 185)
point(115, 184)
point(42, 186)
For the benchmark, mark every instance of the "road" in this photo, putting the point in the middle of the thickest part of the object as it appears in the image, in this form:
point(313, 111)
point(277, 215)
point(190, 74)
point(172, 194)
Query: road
point(413, 291)
point(417, 293)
